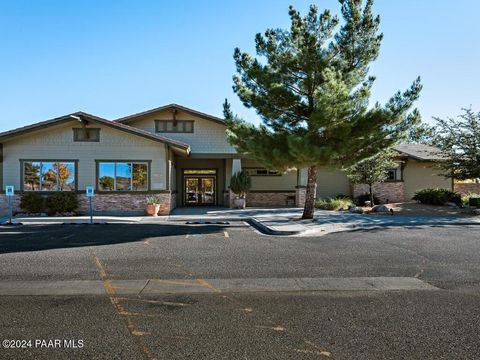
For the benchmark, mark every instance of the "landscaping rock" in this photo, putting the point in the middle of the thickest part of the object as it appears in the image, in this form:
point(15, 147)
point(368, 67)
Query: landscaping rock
point(476, 212)
point(381, 209)
point(355, 210)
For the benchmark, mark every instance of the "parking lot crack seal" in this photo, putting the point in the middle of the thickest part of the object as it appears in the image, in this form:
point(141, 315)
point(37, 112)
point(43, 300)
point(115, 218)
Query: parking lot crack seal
point(144, 286)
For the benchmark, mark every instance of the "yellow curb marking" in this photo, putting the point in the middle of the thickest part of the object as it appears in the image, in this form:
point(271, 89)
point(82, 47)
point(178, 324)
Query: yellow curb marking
point(206, 284)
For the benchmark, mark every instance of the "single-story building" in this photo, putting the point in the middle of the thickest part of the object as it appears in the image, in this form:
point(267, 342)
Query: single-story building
point(180, 154)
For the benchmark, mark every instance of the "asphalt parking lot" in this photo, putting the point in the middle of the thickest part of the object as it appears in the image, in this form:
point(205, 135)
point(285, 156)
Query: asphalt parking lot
point(151, 291)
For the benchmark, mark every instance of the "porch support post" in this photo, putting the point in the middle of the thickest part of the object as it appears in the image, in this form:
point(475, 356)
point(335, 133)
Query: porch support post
point(236, 167)
point(301, 188)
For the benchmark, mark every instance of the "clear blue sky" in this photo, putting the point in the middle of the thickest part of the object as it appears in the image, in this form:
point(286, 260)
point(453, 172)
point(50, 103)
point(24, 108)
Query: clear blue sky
point(114, 58)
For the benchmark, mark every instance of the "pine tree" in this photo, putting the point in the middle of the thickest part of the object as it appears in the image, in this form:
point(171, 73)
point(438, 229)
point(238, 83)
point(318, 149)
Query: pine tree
point(421, 133)
point(372, 170)
point(460, 141)
point(310, 85)
point(227, 112)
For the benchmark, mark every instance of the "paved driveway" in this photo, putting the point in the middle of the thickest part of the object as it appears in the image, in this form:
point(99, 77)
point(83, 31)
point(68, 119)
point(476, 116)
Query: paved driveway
point(175, 291)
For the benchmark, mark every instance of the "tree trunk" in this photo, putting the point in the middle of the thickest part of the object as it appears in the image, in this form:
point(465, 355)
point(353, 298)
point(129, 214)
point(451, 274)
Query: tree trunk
point(371, 195)
point(309, 209)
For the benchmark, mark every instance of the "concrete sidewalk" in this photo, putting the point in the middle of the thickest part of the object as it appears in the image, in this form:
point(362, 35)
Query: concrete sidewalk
point(330, 221)
point(278, 221)
point(182, 286)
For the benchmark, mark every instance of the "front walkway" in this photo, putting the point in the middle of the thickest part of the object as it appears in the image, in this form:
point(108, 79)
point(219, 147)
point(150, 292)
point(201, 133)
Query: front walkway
point(275, 221)
point(332, 221)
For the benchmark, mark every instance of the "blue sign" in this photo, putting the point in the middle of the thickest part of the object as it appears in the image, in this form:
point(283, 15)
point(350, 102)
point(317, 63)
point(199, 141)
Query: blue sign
point(90, 191)
point(9, 190)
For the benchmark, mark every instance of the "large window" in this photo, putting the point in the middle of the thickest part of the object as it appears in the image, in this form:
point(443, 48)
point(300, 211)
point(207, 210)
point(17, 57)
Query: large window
point(122, 176)
point(171, 126)
point(48, 176)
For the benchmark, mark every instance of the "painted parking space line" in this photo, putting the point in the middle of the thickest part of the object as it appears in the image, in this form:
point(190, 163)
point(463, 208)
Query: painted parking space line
point(121, 311)
point(225, 233)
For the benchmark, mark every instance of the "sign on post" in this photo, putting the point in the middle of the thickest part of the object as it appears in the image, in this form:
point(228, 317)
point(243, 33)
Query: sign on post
point(90, 192)
point(10, 192)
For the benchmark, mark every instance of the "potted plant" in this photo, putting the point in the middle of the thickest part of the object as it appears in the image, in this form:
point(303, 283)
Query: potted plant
point(240, 184)
point(153, 205)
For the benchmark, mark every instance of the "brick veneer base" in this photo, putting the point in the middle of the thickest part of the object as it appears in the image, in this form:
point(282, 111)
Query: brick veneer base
point(4, 204)
point(465, 189)
point(114, 204)
point(263, 199)
point(386, 191)
point(269, 198)
point(123, 203)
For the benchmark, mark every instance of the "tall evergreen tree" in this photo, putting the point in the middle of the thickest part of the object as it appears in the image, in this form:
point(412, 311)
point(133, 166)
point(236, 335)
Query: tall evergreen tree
point(227, 112)
point(460, 141)
point(421, 133)
point(311, 87)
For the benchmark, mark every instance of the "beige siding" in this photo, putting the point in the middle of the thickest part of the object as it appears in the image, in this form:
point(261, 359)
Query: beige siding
point(207, 137)
point(56, 143)
point(332, 182)
point(286, 181)
point(420, 175)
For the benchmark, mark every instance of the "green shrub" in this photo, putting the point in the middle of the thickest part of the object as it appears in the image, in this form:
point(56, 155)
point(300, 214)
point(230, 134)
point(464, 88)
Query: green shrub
point(437, 196)
point(360, 200)
point(474, 197)
point(240, 183)
point(62, 202)
point(474, 200)
point(332, 204)
point(32, 203)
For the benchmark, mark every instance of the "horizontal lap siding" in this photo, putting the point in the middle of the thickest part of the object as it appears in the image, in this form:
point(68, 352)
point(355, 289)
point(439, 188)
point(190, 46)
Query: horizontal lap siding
point(207, 137)
point(331, 183)
point(286, 181)
point(57, 143)
point(421, 175)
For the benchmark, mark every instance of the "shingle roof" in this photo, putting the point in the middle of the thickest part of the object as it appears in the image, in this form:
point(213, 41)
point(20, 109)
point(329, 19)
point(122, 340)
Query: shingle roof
point(123, 127)
point(171, 106)
point(420, 152)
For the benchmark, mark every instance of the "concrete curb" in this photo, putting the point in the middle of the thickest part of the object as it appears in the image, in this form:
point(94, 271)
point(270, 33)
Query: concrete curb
point(270, 231)
point(329, 228)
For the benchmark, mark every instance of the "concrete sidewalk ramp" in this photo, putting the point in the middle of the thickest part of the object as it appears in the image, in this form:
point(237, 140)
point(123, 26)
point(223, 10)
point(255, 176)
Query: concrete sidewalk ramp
point(182, 286)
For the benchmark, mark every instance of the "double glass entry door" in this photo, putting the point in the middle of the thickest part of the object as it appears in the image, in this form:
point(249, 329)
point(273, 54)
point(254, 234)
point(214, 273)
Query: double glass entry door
point(199, 190)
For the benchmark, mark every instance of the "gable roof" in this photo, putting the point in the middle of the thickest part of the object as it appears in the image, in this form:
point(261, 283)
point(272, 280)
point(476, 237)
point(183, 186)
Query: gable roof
point(88, 117)
point(142, 114)
point(420, 152)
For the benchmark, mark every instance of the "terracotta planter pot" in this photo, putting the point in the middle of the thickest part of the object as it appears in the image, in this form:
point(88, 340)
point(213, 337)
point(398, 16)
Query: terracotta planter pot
point(153, 209)
point(239, 203)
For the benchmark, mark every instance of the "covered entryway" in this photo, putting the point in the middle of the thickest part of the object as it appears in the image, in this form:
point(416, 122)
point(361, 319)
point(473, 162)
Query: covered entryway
point(199, 187)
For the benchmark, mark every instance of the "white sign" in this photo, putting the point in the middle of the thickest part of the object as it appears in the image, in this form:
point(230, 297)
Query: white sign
point(90, 191)
point(9, 190)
